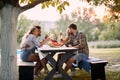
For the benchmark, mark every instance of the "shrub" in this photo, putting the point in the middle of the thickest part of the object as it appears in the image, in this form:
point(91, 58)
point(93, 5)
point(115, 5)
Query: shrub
point(104, 44)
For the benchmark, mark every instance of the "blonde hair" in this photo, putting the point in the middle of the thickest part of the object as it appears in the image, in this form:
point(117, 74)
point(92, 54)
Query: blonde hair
point(30, 31)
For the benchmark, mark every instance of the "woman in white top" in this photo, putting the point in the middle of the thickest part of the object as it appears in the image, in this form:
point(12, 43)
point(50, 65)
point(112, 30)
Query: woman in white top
point(29, 44)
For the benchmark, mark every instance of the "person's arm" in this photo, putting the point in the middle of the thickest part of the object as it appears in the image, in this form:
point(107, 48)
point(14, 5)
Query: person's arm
point(67, 38)
point(45, 41)
point(24, 43)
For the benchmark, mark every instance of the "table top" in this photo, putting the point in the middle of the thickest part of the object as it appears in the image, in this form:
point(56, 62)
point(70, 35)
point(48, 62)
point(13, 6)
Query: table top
point(63, 48)
point(57, 64)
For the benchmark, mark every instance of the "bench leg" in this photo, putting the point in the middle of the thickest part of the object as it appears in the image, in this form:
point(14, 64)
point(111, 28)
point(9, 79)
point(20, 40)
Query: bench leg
point(26, 72)
point(98, 71)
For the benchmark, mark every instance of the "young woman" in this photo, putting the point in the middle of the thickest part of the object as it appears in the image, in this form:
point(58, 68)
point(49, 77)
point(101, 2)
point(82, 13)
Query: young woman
point(29, 44)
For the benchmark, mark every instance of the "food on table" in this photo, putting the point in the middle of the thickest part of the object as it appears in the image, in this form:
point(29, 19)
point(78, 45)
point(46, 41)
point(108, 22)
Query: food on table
point(54, 43)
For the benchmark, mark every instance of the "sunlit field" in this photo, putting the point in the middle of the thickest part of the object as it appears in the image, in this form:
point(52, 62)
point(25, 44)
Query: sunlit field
point(112, 55)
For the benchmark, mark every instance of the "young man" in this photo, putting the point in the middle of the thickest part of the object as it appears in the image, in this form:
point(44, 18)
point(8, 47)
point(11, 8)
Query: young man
point(76, 39)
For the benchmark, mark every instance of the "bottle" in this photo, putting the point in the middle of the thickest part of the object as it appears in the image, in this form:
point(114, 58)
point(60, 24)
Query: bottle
point(61, 36)
point(46, 36)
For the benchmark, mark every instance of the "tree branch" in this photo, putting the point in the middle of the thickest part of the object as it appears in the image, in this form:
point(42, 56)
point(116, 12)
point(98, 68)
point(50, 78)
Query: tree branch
point(33, 4)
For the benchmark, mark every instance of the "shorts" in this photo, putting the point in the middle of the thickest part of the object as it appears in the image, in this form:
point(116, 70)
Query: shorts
point(81, 56)
point(25, 53)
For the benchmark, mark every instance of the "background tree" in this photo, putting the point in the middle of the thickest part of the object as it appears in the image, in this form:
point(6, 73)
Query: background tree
point(111, 32)
point(23, 26)
point(63, 23)
point(9, 11)
point(88, 22)
point(113, 7)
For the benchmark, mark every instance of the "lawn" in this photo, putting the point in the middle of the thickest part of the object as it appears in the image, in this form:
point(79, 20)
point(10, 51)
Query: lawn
point(112, 55)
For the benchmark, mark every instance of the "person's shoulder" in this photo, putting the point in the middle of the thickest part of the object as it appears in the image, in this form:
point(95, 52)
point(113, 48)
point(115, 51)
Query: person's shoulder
point(31, 36)
point(80, 32)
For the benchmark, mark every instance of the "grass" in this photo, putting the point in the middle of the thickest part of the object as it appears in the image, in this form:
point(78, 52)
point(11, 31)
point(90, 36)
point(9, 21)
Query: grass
point(112, 55)
point(80, 75)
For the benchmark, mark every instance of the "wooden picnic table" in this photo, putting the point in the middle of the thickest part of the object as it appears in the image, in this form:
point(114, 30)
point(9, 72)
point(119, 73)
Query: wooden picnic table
point(57, 65)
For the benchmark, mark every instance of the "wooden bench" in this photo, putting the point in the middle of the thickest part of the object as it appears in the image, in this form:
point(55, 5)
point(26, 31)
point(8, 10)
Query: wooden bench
point(95, 66)
point(26, 70)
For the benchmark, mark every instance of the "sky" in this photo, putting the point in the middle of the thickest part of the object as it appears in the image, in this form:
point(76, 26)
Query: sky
point(51, 13)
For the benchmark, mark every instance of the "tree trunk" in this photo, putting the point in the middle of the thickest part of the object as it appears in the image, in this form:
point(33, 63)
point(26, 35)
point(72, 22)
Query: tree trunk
point(0, 46)
point(9, 16)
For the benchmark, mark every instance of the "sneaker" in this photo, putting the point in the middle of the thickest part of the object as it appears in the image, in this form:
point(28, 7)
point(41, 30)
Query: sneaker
point(73, 73)
point(46, 71)
point(74, 65)
point(37, 76)
point(57, 76)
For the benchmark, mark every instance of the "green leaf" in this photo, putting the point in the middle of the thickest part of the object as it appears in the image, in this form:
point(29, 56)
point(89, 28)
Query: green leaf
point(66, 3)
point(60, 9)
point(53, 4)
point(47, 4)
point(63, 7)
point(43, 5)
point(22, 1)
point(57, 2)
point(31, 0)
point(113, 26)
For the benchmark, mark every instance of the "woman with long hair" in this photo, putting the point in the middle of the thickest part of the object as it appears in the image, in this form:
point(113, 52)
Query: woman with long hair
point(29, 44)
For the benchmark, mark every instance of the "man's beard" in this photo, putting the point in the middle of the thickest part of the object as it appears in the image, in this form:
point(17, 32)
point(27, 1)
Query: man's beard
point(39, 34)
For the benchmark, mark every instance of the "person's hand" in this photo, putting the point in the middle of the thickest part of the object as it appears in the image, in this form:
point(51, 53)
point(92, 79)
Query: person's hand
point(48, 38)
point(69, 45)
point(27, 46)
point(68, 32)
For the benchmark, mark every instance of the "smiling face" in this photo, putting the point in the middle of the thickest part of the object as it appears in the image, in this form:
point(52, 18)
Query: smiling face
point(39, 34)
point(36, 31)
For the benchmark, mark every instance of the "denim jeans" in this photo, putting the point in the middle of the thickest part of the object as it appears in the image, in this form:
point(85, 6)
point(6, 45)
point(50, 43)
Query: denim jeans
point(25, 53)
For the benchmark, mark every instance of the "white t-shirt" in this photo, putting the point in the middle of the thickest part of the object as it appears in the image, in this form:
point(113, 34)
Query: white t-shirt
point(32, 41)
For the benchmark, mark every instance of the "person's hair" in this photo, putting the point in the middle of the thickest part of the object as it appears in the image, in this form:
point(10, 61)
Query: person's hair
point(73, 26)
point(30, 31)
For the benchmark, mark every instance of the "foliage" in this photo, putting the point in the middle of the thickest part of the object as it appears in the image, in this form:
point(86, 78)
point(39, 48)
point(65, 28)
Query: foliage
point(111, 32)
point(90, 25)
point(23, 26)
point(63, 23)
point(59, 4)
point(53, 33)
point(113, 8)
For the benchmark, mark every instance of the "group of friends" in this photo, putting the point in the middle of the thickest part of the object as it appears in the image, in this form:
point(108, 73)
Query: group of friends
point(74, 38)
